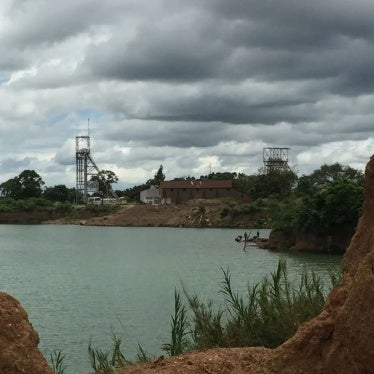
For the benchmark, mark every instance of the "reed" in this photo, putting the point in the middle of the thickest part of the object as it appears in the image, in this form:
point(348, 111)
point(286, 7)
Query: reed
point(57, 362)
point(108, 361)
point(269, 313)
point(179, 341)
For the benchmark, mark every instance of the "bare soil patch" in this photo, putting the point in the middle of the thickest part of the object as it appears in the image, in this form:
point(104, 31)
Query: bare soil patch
point(181, 215)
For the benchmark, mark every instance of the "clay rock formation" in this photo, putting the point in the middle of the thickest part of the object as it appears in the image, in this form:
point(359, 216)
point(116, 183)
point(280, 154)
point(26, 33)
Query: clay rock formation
point(341, 338)
point(19, 351)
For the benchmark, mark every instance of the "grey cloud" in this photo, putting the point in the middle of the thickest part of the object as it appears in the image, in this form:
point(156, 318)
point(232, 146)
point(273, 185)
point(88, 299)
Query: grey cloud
point(12, 165)
point(158, 134)
point(174, 82)
point(46, 22)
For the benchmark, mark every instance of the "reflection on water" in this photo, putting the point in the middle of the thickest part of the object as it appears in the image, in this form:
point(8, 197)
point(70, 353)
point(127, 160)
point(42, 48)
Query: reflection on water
point(80, 283)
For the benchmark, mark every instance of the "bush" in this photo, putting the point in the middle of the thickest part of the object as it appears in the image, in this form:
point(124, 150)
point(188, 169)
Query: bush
point(269, 314)
point(63, 208)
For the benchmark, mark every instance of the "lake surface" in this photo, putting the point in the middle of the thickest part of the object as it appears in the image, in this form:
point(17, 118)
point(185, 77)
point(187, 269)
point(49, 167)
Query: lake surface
point(81, 283)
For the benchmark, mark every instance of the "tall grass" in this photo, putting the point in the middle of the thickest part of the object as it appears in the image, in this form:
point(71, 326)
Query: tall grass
point(179, 328)
point(108, 361)
point(269, 313)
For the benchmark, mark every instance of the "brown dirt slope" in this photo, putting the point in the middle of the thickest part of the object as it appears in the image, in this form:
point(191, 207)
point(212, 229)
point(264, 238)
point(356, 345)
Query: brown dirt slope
point(339, 340)
point(18, 341)
point(181, 215)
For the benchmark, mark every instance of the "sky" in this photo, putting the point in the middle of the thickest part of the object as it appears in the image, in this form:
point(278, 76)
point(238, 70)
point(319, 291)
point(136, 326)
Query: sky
point(194, 85)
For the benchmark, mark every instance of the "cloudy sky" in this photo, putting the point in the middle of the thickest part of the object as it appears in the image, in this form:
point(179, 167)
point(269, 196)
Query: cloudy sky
point(195, 85)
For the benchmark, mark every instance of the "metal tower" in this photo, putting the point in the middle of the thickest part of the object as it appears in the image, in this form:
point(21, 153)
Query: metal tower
point(85, 168)
point(276, 159)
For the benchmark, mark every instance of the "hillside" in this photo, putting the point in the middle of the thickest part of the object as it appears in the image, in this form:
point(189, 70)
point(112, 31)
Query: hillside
point(194, 213)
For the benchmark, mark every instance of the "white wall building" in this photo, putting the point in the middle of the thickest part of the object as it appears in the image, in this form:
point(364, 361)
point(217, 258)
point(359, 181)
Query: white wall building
point(150, 196)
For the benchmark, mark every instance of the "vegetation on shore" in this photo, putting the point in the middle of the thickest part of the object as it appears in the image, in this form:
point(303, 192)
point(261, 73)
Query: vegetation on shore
point(268, 314)
point(329, 197)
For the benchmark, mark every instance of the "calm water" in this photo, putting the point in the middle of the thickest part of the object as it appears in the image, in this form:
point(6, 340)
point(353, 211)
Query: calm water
point(83, 283)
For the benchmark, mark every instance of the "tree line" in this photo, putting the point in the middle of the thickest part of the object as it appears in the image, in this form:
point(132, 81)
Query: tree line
point(329, 196)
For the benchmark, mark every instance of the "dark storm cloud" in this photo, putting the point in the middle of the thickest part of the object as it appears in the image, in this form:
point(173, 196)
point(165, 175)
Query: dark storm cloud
point(327, 44)
point(158, 134)
point(231, 110)
point(48, 22)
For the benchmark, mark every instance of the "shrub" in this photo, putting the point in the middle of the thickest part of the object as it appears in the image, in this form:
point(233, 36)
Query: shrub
point(179, 328)
point(269, 314)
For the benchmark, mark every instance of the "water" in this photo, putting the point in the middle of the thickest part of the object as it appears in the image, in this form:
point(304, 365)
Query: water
point(81, 284)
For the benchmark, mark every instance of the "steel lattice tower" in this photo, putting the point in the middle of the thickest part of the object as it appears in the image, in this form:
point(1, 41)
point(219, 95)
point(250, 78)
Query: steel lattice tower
point(276, 159)
point(85, 168)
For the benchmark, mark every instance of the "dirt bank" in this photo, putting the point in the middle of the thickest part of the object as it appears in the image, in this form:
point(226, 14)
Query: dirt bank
point(194, 213)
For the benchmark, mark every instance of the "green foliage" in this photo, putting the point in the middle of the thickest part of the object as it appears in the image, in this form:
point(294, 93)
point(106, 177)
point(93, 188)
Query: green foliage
point(179, 328)
point(275, 183)
point(338, 203)
point(220, 176)
point(105, 179)
point(159, 176)
point(207, 328)
point(330, 197)
point(27, 184)
point(26, 205)
point(142, 355)
point(57, 362)
point(238, 210)
point(327, 174)
point(270, 313)
point(285, 214)
point(59, 193)
point(101, 209)
point(63, 208)
point(107, 361)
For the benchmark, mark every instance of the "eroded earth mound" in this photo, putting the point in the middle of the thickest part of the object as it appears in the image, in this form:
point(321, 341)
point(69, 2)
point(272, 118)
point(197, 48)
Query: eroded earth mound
point(19, 351)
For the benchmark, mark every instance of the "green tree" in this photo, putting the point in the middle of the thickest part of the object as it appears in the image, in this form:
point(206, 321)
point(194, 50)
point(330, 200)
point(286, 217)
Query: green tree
point(220, 176)
point(59, 193)
point(31, 184)
point(28, 184)
point(105, 179)
point(328, 174)
point(158, 177)
point(337, 204)
point(10, 188)
point(328, 198)
point(275, 183)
